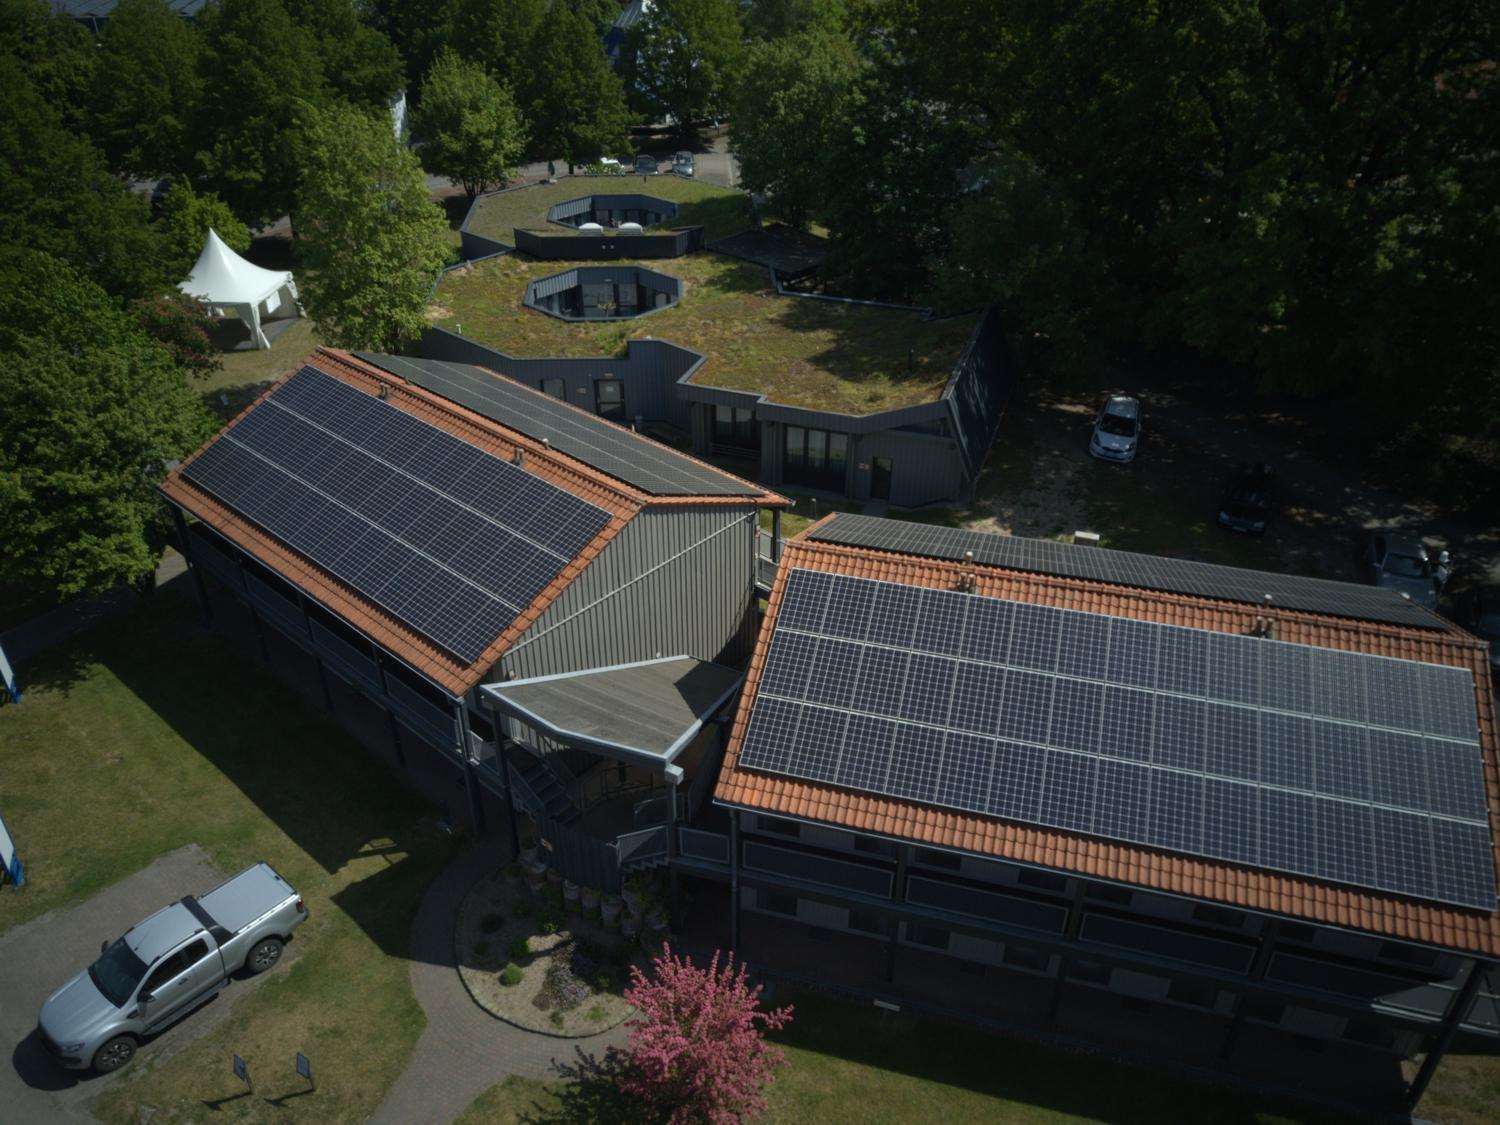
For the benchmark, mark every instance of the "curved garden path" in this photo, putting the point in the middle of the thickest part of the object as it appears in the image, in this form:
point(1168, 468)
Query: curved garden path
point(464, 1050)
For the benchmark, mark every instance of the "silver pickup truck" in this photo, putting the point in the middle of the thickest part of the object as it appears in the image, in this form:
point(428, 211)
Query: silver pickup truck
point(164, 967)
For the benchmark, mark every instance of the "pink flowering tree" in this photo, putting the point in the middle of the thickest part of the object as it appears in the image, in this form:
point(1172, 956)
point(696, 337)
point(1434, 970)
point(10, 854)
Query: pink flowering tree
point(696, 1050)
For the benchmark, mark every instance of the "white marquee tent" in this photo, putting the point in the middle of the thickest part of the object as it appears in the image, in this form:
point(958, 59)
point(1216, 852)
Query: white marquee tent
point(231, 286)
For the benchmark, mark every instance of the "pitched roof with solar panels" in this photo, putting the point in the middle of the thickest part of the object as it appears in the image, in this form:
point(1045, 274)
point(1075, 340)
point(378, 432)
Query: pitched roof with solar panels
point(1333, 759)
point(630, 457)
point(439, 534)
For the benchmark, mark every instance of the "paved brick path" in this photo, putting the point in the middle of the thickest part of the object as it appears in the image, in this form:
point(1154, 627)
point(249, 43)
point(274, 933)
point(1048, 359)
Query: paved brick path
point(464, 1050)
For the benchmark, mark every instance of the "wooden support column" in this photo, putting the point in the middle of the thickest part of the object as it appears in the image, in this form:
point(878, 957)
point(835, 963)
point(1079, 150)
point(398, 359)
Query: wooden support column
point(260, 633)
point(1257, 973)
point(734, 884)
point(776, 535)
point(674, 775)
point(1457, 1009)
point(390, 712)
point(898, 896)
point(185, 547)
point(471, 783)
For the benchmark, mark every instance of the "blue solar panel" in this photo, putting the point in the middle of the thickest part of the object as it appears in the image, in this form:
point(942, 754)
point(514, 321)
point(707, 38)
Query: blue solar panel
point(449, 539)
point(1337, 765)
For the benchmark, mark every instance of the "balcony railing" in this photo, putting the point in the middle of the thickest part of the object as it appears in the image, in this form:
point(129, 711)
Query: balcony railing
point(709, 847)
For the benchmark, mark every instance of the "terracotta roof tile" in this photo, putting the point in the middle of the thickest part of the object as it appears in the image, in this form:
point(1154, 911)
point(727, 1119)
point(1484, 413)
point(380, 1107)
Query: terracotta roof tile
point(1234, 885)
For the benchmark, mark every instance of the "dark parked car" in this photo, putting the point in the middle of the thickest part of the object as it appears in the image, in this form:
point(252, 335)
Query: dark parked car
point(1477, 609)
point(645, 165)
point(1247, 502)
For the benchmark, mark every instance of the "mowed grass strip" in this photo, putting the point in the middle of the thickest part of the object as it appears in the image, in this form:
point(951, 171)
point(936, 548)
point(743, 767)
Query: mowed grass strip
point(851, 359)
point(720, 211)
point(847, 1062)
point(151, 733)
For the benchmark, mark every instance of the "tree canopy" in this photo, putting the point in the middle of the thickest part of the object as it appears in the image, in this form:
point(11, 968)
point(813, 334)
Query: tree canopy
point(683, 59)
point(470, 128)
point(790, 114)
point(185, 220)
point(372, 238)
point(577, 106)
point(94, 412)
point(258, 65)
point(145, 90)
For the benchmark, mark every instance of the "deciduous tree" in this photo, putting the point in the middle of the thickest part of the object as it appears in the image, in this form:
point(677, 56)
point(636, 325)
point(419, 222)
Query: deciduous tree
point(788, 115)
point(372, 238)
point(359, 62)
point(258, 65)
point(683, 58)
point(469, 126)
point(577, 109)
point(94, 413)
point(185, 220)
point(143, 100)
point(697, 1051)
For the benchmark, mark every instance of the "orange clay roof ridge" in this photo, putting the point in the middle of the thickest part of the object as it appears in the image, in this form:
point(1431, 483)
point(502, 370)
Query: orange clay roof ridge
point(760, 498)
point(403, 642)
point(1214, 880)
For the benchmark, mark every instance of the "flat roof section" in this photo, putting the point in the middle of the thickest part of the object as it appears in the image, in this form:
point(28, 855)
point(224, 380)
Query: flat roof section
point(1125, 568)
point(628, 456)
point(719, 210)
point(648, 710)
point(784, 249)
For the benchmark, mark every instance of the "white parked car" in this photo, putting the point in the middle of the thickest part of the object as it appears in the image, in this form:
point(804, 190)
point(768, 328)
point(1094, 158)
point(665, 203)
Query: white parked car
point(1117, 430)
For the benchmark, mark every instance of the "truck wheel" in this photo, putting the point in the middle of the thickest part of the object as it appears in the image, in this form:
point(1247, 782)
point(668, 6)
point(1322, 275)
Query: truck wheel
point(266, 953)
point(114, 1054)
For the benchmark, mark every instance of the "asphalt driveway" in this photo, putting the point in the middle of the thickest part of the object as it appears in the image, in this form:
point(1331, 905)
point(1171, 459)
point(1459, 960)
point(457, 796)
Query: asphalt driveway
point(41, 954)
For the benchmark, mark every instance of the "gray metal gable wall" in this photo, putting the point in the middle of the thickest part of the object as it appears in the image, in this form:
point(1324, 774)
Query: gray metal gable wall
point(648, 369)
point(675, 580)
point(605, 247)
point(978, 391)
point(925, 469)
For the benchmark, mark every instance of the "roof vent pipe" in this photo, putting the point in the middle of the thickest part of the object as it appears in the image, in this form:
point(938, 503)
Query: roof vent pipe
point(519, 459)
point(385, 391)
point(966, 581)
point(1263, 621)
point(547, 443)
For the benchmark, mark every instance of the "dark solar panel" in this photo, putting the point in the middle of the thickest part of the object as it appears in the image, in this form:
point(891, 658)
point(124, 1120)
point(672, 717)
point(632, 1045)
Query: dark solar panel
point(1169, 737)
point(1125, 568)
point(449, 539)
point(626, 456)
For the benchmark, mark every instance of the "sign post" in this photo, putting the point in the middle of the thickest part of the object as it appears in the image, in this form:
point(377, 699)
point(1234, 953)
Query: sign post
point(12, 870)
point(8, 679)
point(242, 1072)
point(304, 1068)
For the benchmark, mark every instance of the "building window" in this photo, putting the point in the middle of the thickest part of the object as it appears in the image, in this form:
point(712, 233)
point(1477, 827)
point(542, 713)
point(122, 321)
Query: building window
point(555, 388)
point(928, 857)
point(927, 935)
point(1370, 1033)
point(1408, 954)
point(1115, 896)
point(609, 399)
point(1041, 881)
point(1192, 992)
point(866, 923)
point(1263, 1010)
point(777, 902)
point(780, 827)
point(816, 458)
point(736, 428)
point(872, 846)
point(1296, 931)
point(1217, 916)
point(1089, 972)
point(1026, 957)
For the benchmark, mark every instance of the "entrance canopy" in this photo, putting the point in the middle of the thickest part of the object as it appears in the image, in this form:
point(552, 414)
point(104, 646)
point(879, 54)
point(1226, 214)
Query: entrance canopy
point(648, 711)
point(231, 286)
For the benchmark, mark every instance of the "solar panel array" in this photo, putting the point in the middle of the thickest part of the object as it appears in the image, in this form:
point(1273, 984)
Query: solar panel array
point(449, 539)
point(1126, 568)
point(1342, 766)
point(626, 456)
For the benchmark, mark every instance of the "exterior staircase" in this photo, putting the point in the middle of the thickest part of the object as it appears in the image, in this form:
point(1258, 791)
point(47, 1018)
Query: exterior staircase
point(551, 794)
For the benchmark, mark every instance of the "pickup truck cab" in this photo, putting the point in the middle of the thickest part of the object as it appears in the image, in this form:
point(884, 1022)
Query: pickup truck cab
point(169, 964)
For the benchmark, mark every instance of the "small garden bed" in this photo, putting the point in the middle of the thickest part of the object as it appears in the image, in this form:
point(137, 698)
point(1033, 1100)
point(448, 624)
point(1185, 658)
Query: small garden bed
point(531, 959)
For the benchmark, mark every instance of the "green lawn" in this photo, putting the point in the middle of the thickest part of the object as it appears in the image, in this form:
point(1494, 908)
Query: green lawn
point(151, 733)
point(847, 1062)
point(849, 358)
point(720, 211)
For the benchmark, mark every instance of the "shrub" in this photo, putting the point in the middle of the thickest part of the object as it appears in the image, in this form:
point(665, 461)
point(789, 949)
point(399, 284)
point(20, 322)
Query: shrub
point(603, 982)
point(597, 1013)
point(549, 927)
point(511, 975)
point(561, 990)
point(521, 947)
point(490, 923)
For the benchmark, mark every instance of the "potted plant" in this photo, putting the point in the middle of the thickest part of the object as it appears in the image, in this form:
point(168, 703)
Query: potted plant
point(513, 874)
point(570, 896)
point(633, 893)
point(630, 925)
point(554, 877)
point(589, 897)
point(536, 874)
point(528, 851)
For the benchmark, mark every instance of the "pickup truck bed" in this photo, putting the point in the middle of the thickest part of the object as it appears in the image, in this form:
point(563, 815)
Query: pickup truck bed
point(244, 898)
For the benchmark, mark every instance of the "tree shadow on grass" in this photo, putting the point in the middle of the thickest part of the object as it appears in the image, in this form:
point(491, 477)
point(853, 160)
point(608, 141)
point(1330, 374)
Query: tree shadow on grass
point(588, 1093)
